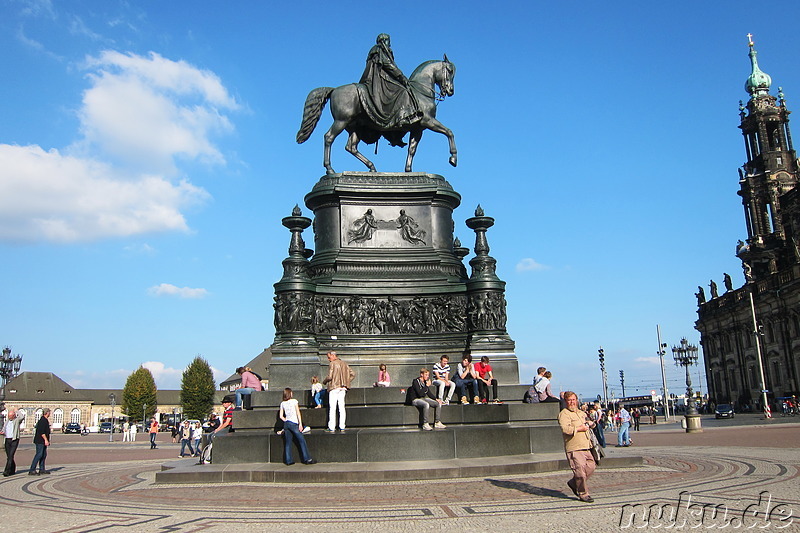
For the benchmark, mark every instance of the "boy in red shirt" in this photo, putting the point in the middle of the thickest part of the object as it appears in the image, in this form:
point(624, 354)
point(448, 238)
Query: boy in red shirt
point(485, 380)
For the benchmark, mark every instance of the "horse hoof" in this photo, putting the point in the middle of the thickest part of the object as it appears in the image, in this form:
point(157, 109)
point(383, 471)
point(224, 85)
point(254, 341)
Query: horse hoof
point(453, 161)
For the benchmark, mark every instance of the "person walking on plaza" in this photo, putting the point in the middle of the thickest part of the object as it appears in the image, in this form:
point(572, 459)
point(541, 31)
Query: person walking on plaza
point(338, 381)
point(186, 438)
point(636, 414)
point(293, 429)
point(153, 433)
point(623, 437)
point(126, 432)
point(596, 416)
point(41, 438)
point(134, 430)
point(11, 432)
point(574, 428)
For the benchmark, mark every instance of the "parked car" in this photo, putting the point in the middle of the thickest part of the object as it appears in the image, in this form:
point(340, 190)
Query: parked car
point(724, 410)
point(72, 427)
point(105, 427)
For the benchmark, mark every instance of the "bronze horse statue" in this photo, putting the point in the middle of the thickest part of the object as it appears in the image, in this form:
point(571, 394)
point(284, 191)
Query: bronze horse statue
point(348, 114)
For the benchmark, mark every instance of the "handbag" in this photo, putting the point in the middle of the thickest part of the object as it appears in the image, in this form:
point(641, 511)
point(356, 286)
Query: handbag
point(596, 450)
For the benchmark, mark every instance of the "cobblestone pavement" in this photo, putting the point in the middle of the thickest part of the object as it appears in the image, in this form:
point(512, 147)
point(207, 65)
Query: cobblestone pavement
point(101, 494)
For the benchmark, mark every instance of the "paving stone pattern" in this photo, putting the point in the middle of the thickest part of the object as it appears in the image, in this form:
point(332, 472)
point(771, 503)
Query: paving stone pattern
point(123, 495)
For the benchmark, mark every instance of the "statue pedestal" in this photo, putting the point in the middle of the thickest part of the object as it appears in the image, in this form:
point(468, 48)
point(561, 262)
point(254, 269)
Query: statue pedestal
point(386, 284)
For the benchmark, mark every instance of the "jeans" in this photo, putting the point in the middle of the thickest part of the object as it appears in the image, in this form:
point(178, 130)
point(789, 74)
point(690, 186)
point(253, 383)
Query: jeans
point(484, 390)
point(461, 390)
point(319, 397)
point(41, 455)
point(153, 440)
point(197, 446)
point(11, 449)
point(240, 393)
point(184, 444)
point(291, 432)
point(600, 434)
point(336, 401)
point(622, 437)
point(442, 389)
point(424, 405)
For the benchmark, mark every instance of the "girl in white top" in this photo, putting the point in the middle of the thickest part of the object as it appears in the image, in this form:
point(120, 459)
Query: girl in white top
point(293, 429)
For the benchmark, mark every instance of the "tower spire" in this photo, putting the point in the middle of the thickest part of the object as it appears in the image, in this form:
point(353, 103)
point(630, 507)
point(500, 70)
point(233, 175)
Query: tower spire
point(758, 82)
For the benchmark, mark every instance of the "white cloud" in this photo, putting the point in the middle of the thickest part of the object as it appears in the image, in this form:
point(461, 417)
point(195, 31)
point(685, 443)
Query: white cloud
point(529, 264)
point(48, 196)
point(649, 360)
point(167, 289)
point(140, 249)
point(162, 374)
point(140, 117)
point(149, 110)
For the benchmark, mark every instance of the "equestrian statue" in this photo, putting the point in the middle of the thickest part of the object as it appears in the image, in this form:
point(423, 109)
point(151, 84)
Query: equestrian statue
point(383, 104)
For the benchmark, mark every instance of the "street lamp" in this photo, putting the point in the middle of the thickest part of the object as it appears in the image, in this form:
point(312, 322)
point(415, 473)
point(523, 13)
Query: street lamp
point(622, 382)
point(9, 368)
point(686, 355)
point(113, 401)
point(662, 350)
point(144, 410)
point(602, 357)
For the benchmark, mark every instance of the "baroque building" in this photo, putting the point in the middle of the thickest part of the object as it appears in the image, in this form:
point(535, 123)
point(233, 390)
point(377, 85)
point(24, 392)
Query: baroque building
point(770, 259)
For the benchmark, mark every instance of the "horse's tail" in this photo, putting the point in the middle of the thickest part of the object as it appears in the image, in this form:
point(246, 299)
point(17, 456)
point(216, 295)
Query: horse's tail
point(315, 102)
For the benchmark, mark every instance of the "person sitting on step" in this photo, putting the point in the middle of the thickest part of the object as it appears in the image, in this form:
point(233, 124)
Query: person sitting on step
point(466, 376)
point(423, 398)
point(485, 380)
point(444, 387)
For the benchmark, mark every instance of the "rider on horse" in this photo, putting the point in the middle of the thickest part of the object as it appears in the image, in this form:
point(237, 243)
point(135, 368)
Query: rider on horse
point(386, 95)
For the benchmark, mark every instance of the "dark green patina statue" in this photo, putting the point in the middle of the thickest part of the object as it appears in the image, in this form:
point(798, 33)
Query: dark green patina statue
point(383, 104)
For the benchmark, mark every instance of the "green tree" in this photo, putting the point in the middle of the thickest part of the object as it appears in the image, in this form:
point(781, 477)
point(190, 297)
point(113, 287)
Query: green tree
point(197, 389)
point(139, 395)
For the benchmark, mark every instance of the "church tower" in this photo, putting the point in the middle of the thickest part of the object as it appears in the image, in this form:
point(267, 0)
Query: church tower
point(771, 171)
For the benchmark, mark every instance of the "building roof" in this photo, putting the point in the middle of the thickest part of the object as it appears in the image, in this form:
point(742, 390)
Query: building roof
point(42, 386)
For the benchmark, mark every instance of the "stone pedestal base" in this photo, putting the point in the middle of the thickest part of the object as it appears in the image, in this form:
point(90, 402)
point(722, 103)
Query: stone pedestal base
point(693, 424)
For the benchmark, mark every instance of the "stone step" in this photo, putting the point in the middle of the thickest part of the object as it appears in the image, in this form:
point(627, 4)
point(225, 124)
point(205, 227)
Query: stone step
point(394, 444)
point(403, 416)
point(371, 396)
point(179, 472)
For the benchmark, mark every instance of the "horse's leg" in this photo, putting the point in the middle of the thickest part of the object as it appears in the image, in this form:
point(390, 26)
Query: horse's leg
point(413, 140)
point(336, 128)
point(434, 125)
point(352, 147)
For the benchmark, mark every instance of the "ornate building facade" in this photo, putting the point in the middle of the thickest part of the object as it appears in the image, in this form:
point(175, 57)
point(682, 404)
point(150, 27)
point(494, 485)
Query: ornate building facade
point(770, 259)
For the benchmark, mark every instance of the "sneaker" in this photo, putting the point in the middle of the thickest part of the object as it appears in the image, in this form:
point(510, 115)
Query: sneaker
point(498, 402)
point(476, 399)
point(43, 472)
point(279, 432)
point(180, 457)
point(306, 429)
point(33, 473)
point(310, 462)
point(329, 430)
point(484, 401)
point(439, 425)
point(427, 427)
point(464, 400)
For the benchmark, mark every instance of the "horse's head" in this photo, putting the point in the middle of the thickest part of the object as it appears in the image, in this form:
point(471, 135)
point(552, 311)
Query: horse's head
point(445, 77)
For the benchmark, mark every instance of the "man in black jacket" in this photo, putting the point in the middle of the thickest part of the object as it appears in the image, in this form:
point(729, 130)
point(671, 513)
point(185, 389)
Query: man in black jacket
point(423, 399)
point(42, 440)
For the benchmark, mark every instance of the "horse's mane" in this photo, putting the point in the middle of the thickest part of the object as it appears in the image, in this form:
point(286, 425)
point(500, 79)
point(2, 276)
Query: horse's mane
point(423, 65)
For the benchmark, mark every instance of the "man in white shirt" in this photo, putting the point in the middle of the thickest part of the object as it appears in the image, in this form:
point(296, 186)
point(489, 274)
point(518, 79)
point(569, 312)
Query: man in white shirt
point(441, 373)
point(11, 431)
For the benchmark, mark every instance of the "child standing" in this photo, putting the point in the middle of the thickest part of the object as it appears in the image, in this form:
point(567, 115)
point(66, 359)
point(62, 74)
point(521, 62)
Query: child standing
point(383, 377)
point(317, 392)
point(293, 429)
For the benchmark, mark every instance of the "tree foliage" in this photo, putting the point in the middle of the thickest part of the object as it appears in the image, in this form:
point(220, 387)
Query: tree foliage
point(197, 389)
point(139, 395)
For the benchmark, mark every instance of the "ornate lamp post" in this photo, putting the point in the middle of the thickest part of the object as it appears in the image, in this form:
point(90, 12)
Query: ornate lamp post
point(9, 368)
point(602, 357)
point(686, 355)
point(113, 401)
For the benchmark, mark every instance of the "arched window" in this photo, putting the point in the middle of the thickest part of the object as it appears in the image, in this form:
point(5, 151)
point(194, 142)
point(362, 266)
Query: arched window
point(75, 416)
point(37, 415)
point(58, 417)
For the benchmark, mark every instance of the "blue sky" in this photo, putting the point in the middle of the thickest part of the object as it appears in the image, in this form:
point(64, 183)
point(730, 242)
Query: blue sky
point(147, 155)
